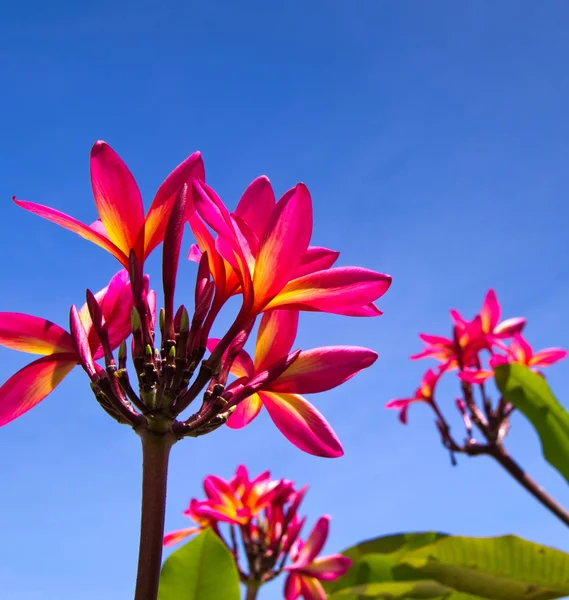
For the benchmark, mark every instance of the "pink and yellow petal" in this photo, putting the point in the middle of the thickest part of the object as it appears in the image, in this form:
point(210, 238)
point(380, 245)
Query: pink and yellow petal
point(314, 544)
point(322, 369)
point(292, 587)
point(30, 385)
point(118, 199)
point(284, 244)
point(316, 259)
point(275, 337)
point(332, 290)
point(302, 424)
point(77, 227)
point(547, 357)
point(328, 568)
point(312, 589)
point(256, 205)
point(490, 312)
point(177, 536)
point(34, 335)
point(245, 412)
point(159, 211)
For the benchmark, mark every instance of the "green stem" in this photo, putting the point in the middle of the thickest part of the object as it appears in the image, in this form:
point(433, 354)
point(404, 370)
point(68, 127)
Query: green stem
point(155, 453)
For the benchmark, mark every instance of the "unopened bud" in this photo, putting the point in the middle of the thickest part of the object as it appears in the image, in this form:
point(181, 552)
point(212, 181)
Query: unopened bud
point(135, 320)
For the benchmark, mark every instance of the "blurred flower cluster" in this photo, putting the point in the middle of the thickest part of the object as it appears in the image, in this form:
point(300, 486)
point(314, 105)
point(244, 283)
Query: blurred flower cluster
point(473, 351)
point(258, 518)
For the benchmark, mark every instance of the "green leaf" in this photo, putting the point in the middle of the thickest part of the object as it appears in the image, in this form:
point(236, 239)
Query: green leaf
point(378, 560)
point(393, 590)
point(202, 569)
point(530, 393)
point(502, 568)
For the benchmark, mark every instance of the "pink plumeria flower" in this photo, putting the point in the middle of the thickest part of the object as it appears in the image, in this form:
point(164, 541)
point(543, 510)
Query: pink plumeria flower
point(519, 352)
point(194, 513)
point(424, 393)
point(308, 570)
point(122, 226)
point(316, 370)
point(266, 243)
point(252, 212)
point(34, 335)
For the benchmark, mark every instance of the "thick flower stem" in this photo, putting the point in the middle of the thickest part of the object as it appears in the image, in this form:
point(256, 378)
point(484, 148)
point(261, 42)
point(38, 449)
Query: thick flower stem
point(155, 453)
point(498, 452)
point(252, 591)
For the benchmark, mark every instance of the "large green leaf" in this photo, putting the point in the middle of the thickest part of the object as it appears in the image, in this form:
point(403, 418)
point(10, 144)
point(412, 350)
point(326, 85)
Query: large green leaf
point(393, 590)
point(202, 569)
point(502, 568)
point(378, 560)
point(530, 393)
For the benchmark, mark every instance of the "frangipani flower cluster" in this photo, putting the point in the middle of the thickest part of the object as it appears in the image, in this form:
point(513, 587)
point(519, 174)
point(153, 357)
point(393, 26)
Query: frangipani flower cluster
point(475, 348)
point(260, 251)
point(261, 518)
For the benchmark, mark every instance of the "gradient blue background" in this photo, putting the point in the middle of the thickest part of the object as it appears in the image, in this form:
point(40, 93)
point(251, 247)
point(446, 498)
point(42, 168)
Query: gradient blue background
point(434, 138)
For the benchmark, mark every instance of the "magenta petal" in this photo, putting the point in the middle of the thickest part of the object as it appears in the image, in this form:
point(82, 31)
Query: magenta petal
point(284, 244)
point(313, 545)
point(32, 384)
point(328, 568)
point(367, 310)
point(316, 259)
point(322, 369)
point(256, 205)
point(490, 312)
point(159, 211)
point(118, 199)
point(333, 290)
point(548, 356)
point(27, 333)
point(275, 337)
point(302, 424)
point(86, 232)
point(292, 587)
point(245, 412)
point(509, 327)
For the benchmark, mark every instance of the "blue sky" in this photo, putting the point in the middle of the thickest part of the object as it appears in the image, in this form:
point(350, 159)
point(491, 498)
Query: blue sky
point(434, 139)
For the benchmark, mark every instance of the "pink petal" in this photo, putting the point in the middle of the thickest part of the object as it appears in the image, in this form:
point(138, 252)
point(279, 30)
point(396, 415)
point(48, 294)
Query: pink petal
point(195, 254)
point(316, 259)
point(215, 214)
point(207, 244)
point(509, 327)
point(177, 536)
point(245, 412)
point(322, 369)
point(312, 589)
point(548, 356)
point(368, 310)
point(118, 199)
point(475, 377)
point(292, 587)
point(284, 244)
point(332, 290)
point(490, 312)
point(328, 568)
point(313, 545)
point(520, 350)
point(435, 340)
point(302, 424)
point(256, 205)
point(32, 384)
point(116, 304)
point(32, 334)
point(159, 211)
point(72, 224)
point(275, 337)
